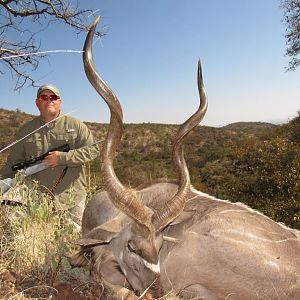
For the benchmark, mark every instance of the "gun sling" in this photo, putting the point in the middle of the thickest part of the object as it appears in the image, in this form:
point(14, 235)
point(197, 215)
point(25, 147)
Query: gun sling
point(59, 179)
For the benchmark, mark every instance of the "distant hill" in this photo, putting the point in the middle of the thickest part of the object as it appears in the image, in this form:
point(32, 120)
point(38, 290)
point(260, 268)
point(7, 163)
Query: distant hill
point(10, 122)
point(251, 127)
point(147, 136)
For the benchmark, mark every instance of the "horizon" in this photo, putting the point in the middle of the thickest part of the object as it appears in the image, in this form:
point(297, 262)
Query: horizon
point(149, 59)
point(272, 122)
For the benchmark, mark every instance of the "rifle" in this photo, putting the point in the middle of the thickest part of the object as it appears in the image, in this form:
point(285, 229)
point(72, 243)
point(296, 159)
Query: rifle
point(30, 167)
point(34, 165)
point(32, 161)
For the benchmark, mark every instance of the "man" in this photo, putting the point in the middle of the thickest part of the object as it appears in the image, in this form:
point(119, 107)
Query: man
point(65, 176)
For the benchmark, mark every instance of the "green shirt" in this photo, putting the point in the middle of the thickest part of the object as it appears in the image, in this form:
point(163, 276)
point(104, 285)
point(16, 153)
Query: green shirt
point(64, 130)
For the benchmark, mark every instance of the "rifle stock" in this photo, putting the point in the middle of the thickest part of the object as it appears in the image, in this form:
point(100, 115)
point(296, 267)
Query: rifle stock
point(30, 167)
point(8, 183)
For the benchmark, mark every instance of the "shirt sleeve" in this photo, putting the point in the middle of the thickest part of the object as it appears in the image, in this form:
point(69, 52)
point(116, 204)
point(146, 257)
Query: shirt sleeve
point(85, 150)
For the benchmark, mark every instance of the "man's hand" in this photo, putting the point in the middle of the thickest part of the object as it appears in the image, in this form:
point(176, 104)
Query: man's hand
point(52, 159)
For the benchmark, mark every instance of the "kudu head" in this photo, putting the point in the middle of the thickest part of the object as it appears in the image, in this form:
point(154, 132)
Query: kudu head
point(136, 241)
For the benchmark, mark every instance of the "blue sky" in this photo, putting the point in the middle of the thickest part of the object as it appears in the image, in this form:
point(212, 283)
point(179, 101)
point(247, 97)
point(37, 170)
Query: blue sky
point(149, 58)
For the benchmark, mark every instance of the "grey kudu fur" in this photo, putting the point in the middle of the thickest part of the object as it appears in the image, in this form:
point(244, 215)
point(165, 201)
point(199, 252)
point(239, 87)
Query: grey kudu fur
point(170, 237)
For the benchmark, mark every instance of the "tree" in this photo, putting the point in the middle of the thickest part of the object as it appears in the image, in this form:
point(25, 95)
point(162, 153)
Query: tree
point(291, 10)
point(20, 23)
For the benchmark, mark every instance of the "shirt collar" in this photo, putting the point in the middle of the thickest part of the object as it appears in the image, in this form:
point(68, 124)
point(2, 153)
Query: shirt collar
point(51, 124)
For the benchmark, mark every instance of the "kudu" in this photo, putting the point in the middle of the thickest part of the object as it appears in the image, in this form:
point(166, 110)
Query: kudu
point(170, 237)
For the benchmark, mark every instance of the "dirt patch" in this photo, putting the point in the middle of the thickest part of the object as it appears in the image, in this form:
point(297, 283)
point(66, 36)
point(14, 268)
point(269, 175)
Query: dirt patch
point(14, 285)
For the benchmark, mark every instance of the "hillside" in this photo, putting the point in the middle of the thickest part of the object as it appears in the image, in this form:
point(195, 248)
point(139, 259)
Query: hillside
point(145, 137)
point(145, 142)
point(255, 163)
point(249, 127)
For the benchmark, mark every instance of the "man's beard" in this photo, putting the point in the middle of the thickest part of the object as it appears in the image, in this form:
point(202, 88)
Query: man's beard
point(52, 112)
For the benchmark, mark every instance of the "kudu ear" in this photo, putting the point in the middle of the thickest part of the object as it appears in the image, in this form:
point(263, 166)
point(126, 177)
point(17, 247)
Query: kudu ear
point(96, 236)
point(89, 243)
point(105, 232)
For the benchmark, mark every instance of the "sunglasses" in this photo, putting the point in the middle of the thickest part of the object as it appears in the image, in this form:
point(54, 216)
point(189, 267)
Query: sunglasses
point(49, 97)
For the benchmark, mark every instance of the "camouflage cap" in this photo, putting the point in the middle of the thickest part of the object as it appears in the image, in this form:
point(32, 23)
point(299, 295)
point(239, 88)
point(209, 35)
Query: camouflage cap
point(49, 87)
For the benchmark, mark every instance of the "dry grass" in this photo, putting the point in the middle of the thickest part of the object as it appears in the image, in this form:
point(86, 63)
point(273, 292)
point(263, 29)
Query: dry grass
point(35, 239)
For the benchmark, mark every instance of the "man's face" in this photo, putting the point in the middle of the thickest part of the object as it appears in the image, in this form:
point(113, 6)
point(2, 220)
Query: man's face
point(48, 107)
